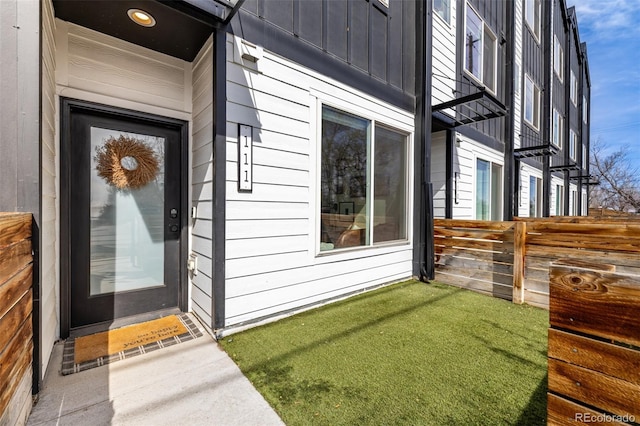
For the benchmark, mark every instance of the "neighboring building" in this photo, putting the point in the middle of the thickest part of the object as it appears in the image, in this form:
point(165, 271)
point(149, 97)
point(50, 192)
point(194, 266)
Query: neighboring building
point(268, 164)
point(510, 96)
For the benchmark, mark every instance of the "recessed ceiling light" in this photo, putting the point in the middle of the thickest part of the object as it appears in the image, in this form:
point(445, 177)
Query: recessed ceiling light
point(141, 17)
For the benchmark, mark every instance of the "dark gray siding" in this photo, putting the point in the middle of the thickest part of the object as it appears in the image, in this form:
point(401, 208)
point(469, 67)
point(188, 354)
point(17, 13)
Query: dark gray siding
point(362, 43)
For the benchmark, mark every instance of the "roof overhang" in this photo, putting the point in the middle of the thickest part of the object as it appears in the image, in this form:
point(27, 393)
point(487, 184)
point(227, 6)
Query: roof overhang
point(472, 108)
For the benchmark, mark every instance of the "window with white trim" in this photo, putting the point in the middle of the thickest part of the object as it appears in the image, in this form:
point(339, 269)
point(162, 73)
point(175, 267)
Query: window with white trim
point(532, 16)
point(574, 89)
point(531, 102)
point(585, 157)
point(488, 190)
point(558, 125)
point(559, 200)
point(573, 145)
point(584, 109)
point(364, 181)
point(573, 208)
point(442, 8)
point(558, 58)
point(480, 49)
point(535, 196)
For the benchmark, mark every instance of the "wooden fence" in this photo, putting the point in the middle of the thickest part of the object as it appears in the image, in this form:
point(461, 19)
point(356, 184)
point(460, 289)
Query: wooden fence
point(594, 345)
point(16, 333)
point(511, 259)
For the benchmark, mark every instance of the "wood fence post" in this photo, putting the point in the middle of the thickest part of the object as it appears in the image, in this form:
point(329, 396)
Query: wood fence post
point(519, 244)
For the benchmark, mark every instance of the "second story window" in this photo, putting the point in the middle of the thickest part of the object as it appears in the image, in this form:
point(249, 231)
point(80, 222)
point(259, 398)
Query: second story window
point(574, 89)
point(558, 59)
point(573, 145)
point(558, 125)
point(531, 102)
point(480, 49)
point(584, 109)
point(532, 16)
point(442, 8)
point(585, 157)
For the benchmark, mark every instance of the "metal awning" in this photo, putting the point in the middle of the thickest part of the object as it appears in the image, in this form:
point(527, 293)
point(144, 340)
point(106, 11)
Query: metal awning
point(565, 168)
point(535, 151)
point(472, 108)
point(588, 178)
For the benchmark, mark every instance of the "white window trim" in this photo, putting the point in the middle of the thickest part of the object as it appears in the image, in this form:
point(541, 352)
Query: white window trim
point(558, 56)
point(495, 52)
point(574, 89)
point(320, 99)
point(450, 13)
point(560, 118)
point(536, 93)
point(536, 33)
point(584, 109)
point(491, 162)
point(585, 157)
point(573, 145)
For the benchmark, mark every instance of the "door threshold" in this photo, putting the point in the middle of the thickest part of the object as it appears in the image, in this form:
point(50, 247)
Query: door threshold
point(121, 322)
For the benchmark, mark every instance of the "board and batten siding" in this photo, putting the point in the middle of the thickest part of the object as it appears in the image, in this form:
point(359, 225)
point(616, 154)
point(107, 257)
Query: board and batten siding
point(202, 182)
point(50, 149)
point(271, 263)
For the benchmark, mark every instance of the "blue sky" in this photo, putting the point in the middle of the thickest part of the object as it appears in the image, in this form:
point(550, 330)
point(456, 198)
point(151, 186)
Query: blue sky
point(612, 33)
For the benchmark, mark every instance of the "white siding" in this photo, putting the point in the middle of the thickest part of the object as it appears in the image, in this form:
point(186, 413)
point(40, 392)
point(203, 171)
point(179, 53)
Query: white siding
point(96, 67)
point(439, 172)
point(202, 181)
point(50, 190)
point(518, 94)
point(525, 172)
point(271, 263)
point(466, 152)
point(443, 79)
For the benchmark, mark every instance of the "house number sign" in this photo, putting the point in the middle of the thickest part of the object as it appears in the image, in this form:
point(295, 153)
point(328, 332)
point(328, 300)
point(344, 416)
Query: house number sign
point(245, 158)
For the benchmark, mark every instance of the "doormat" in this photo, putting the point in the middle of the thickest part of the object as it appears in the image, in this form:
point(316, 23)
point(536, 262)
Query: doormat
point(94, 350)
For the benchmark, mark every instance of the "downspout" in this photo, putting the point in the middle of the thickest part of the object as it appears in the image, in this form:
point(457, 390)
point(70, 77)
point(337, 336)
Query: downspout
point(547, 30)
point(511, 167)
point(424, 265)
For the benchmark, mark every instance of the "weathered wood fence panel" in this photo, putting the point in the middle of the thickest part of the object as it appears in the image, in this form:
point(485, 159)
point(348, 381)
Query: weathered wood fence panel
point(478, 255)
point(16, 302)
point(490, 256)
point(594, 345)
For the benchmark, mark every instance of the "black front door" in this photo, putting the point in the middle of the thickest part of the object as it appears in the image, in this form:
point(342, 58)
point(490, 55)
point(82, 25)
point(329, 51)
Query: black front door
point(123, 192)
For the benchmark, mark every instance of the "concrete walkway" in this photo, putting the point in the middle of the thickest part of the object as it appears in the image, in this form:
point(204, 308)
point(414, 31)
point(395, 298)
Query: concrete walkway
point(193, 383)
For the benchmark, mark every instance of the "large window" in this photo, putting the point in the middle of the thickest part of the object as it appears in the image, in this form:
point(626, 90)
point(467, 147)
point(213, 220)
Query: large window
point(573, 145)
point(480, 49)
point(442, 8)
point(532, 16)
point(574, 89)
point(535, 196)
point(558, 132)
point(363, 182)
point(558, 58)
point(488, 190)
point(584, 109)
point(585, 157)
point(531, 102)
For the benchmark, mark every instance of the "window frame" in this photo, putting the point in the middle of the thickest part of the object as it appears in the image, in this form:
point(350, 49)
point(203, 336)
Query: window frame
point(535, 103)
point(538, 195)
point(584, 109)
point(534, 27)
point(485, 29)
point(375, 120)
point(573, 145)
point(448, 19)
point(574, 89)
point(559, 200)
point(585, 157)
point(558, 59)
point(557, 129)
point(493, 216)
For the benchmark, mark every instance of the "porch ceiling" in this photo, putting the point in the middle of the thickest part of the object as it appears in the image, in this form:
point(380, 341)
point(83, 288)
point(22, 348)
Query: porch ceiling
point(180, 29)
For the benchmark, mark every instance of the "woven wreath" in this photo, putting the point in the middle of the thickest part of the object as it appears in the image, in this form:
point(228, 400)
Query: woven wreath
point(126, 163)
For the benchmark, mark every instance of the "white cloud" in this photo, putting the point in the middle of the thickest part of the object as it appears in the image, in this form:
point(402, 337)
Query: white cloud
point(609, 18)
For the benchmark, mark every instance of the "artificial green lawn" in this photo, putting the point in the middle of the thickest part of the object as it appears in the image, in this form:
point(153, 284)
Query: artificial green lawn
point(411, 353)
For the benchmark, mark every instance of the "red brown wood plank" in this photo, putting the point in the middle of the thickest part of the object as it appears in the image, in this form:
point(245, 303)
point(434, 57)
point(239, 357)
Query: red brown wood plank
point(479, 234)
point(562, 412)
point(495, 246)
point(596, 228)
point(11, 322)
point(598, 303)
point(590, 242)
point(595, 389)
point(481, 224)
point(11, 354)
point(20, 368)
point(13, 290)
point(13, 258)
point(615, 258)
point(519, 253)
point(14, 227)
point(612, 360)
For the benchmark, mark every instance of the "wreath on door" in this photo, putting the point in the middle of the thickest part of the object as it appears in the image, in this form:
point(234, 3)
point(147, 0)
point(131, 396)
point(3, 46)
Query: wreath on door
point(126, 163)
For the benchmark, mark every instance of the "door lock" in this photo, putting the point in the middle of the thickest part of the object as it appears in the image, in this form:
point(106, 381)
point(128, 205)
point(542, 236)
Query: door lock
point(173, 213)
point(173, 228)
